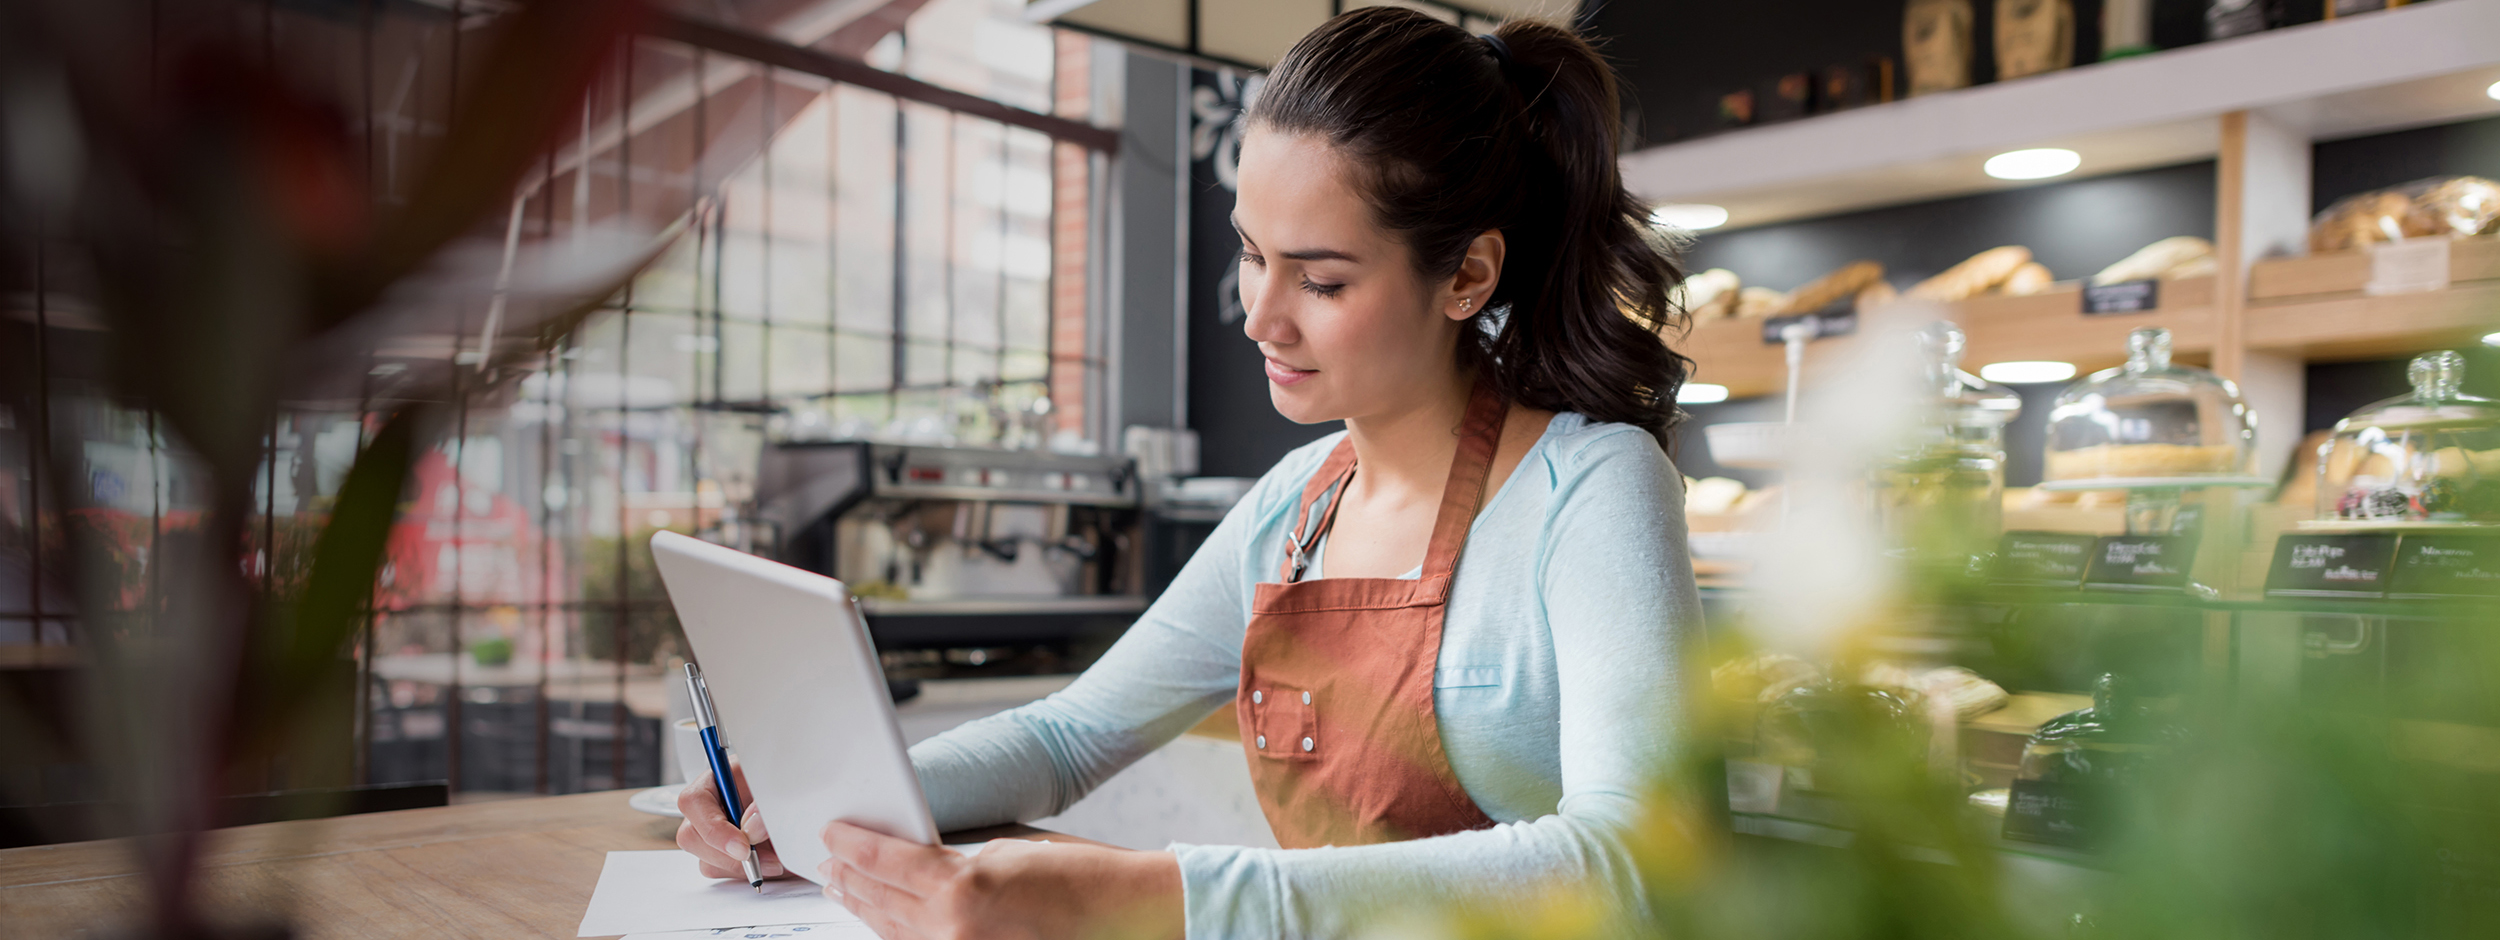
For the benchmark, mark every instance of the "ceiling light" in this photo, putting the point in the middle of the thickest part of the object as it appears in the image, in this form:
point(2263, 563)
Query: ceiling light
point(2491, 339)
point(2033, 164)
point(1689, 216)
point(2027, 373)
point(1700, 393)
point(2493, 91)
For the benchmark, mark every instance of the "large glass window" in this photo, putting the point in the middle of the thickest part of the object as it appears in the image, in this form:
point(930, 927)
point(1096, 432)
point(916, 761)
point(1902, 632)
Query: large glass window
point(849, 263)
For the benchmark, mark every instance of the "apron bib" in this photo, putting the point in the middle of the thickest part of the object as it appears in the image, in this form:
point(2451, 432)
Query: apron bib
point(1335, 703)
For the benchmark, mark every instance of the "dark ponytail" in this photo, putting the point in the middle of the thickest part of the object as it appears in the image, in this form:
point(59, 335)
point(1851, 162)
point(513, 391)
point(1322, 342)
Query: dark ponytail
point(1461, 134)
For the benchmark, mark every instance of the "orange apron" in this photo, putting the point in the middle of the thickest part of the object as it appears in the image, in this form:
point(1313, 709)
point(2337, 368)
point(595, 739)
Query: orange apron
point(1335, 703)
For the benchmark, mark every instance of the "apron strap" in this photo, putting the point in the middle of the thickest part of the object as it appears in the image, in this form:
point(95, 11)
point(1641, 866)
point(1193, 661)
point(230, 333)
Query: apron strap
point(1478, 437)
point(1325, 484)
point(1479, 434)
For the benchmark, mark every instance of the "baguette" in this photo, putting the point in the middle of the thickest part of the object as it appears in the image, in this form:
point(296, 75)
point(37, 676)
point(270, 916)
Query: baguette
point(1973, 277)
point(1759, 302)
point(1832, 288)
point(2032, 278)
point(2156, 260)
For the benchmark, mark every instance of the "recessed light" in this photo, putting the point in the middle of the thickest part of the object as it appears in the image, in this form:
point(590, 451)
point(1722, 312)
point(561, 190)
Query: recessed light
point(1700, 393)
point(2027, 373)
point(1691, 216)
point(2037, 164)
point(2493, 91)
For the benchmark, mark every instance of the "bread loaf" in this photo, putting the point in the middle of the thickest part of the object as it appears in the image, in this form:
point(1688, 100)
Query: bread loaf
point(2032, 278)
point(1979, 274)
point(2034, 36)
point(2156, 260)
point(2466, 205)
point(2366, 219)
point(1708, 295)
point(1877, 294)
point(1936, 39)
point(1834, 287)
point(1759, 302)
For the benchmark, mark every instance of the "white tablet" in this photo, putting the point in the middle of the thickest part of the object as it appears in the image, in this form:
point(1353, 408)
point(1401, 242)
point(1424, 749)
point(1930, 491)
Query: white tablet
point(800, 696)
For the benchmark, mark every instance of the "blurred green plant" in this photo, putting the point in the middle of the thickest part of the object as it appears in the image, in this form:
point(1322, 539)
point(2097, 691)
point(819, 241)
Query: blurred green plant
point(238, 262)
point(2325, 812)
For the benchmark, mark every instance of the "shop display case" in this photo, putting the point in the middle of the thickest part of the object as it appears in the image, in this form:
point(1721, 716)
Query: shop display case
point(2151, 422)
point(2429, 459)
point(2103, 700)
point(1944, 489)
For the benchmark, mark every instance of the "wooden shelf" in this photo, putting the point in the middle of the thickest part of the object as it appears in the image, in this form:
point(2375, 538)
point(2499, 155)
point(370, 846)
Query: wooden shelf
point(2408, 67)
point(2344, 273)
point(2332, 320)
point(2360, 326)
point(2048, 325)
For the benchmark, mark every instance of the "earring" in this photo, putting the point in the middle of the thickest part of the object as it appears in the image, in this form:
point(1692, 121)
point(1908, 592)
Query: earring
point(1464, 303)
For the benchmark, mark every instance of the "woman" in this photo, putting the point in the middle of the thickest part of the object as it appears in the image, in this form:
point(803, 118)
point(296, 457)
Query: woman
point(1453, 632)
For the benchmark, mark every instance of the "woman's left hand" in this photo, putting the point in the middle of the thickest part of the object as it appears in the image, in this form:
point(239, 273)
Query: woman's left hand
point(909, 891)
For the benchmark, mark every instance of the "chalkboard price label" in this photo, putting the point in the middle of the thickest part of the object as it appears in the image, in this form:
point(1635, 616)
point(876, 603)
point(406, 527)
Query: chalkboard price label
point(2101, 300)
point(1832, 321)
point(2140, 562)
point(2050, 813)
point(2048, 559)
point(2331, 566)
point(2432, 566)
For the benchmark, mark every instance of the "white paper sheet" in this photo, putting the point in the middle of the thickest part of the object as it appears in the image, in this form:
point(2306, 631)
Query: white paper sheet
point(850, 931)
point(642, 892)
point(662, 894)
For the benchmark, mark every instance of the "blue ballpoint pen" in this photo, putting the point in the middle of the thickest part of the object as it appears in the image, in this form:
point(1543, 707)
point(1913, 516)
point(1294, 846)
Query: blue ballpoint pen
point(709, 723)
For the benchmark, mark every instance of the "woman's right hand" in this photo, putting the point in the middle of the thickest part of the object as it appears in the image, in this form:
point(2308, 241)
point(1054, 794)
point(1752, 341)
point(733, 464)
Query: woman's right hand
point(718, 845)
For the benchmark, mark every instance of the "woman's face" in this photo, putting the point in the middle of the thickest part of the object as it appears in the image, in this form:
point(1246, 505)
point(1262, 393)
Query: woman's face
point(1348, 328)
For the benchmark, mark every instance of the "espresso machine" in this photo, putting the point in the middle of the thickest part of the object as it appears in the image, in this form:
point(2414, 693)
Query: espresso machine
point(961, 548)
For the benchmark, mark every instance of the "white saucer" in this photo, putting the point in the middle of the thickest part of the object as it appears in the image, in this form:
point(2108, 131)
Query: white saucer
point(658, 801)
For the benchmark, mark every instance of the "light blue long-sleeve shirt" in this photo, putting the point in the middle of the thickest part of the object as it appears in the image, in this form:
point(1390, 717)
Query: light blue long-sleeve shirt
point(1559, 691)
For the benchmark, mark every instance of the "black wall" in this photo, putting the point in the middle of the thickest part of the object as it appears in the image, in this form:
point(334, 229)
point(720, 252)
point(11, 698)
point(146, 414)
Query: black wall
point(1239, 432)
point(2075, 228)
point(1676, 59)
point(2359, 164)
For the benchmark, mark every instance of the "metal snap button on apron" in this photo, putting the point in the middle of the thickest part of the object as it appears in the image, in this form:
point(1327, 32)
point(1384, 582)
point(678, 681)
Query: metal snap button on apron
point(1306, 699)
point(1258, 697)
point(1262, 740)
point(1306, 744)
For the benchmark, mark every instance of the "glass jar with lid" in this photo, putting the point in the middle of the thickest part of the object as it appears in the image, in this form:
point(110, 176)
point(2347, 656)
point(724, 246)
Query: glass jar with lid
point(1941, 496)
point(2150, 422)
point(2430, 458)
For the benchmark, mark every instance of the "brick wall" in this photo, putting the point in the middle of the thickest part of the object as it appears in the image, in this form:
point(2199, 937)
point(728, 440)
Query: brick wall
point(1069, 242)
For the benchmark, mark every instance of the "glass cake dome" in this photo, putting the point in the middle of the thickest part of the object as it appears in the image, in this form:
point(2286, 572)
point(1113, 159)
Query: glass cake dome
point(2429, 457)
point(2149, 423)
point(1941, 494)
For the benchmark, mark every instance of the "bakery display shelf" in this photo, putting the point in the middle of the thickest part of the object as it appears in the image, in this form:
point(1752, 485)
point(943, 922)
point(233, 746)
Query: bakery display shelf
point(2324, 327)
point(2355, 325)
point(2381, 525)
point(2012, 596)
point(2047, 325)
point(2346, 273)
point(2409, 67)
point(2155, 483)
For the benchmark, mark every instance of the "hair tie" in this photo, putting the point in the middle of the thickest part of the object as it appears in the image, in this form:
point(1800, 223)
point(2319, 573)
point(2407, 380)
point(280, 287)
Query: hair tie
point(1500, 49)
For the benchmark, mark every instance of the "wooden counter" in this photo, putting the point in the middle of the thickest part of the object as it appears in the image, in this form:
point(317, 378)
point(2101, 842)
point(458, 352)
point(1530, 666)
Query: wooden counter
point(515, 868)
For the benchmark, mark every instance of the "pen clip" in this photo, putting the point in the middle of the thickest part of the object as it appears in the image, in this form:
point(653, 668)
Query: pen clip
point(701, 692)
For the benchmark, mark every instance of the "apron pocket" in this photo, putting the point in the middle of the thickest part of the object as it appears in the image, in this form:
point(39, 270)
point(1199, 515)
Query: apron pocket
point(1284, 724)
